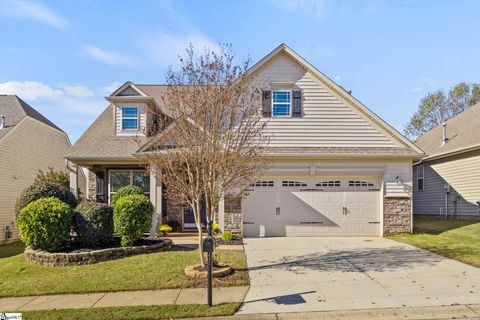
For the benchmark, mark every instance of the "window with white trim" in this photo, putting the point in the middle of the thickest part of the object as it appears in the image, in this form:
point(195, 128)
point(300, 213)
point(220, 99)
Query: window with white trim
point(293, 184)
point(420, 178)
point(129, 118)
point(123, 177)
point(281, 103)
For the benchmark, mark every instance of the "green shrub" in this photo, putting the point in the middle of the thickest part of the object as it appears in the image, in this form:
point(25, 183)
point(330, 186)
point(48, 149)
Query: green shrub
point(132, 216)
point(125, 191)
point(45, 224)
point(227, 235)
point(93, 224)
point(60, 177)
point(40, 190)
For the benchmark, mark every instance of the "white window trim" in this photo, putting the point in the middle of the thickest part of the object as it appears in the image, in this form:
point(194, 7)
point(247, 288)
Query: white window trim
point(282, 103)
point(136, 118)
point(130, 183)
point(422, 177)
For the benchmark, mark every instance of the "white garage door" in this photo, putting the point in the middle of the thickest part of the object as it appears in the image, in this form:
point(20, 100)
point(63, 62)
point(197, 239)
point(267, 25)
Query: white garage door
point(333, 207)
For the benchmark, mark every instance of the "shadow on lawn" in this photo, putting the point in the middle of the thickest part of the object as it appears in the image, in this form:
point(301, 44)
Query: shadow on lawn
point(11, 249)
point(354, 260)
point(436, 225)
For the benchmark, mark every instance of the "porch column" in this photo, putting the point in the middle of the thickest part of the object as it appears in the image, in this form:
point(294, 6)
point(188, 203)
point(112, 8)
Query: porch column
point(221, 214)
point(155, 198)
point(73, 172)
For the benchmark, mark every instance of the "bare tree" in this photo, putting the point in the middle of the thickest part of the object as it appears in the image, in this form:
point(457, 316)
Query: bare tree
point(215, 143)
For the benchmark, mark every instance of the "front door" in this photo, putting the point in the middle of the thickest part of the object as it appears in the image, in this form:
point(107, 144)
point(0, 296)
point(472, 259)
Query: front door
point(189, 218)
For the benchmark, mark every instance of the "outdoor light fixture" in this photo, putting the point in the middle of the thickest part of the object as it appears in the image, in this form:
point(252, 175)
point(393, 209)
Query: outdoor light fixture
point(398, 180)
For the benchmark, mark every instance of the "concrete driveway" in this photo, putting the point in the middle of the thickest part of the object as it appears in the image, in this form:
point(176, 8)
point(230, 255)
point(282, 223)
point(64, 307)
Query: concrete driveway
point(318, 274)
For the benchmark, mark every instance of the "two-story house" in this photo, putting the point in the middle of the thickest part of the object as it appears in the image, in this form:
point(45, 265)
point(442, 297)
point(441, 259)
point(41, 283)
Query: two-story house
point(28, 142)
point(337, 168)
point(446, 181)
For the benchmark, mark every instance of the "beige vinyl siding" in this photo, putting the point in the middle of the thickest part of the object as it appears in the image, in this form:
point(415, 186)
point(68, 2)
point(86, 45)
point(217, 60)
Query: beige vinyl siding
point(462, 173)
point(386, 170)
point(326, 120)
point(30, 146)
point(142, 111)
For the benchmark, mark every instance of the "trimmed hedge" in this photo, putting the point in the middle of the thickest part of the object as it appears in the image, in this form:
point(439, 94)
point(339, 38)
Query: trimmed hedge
point(132, 217)
point(93, 224)
point(125, 191)
point(40, 190)
point(45, 224)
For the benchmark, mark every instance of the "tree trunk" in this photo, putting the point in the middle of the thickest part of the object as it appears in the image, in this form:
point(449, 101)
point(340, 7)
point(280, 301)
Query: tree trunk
point(198, 222)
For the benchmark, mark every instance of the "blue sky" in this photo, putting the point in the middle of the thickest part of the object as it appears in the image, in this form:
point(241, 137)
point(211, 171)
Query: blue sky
point(63, 57)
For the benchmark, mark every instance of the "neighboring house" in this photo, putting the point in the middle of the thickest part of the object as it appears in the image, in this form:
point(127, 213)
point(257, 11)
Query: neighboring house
point(337, 168)
point(447, 180)
point(28, 142)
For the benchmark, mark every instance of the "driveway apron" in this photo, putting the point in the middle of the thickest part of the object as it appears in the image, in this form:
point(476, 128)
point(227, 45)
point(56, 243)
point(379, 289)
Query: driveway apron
point(338, 273)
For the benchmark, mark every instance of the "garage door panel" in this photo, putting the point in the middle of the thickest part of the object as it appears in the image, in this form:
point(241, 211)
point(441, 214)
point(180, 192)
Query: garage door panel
point(312, 210)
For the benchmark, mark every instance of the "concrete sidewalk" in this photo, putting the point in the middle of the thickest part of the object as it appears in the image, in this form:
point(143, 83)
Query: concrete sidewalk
point(123, 298)
point(411, 313)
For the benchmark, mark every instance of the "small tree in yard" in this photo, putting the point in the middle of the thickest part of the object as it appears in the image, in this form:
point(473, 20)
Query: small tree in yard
point(215, 143)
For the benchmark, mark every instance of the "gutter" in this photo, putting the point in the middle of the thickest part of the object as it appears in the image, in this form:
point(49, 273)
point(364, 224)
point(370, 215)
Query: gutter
point(450, 153)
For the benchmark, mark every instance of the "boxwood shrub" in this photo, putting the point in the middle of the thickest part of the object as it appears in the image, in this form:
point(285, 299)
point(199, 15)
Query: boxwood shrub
point(125, 191)
point(45, 224)
point(132, 216)
point(93, 224)
point(42, 189)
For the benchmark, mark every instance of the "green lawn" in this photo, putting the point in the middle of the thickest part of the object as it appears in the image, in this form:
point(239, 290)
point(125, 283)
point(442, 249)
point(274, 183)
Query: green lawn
point(135, 313)
point(455, 239)
point(148, 271)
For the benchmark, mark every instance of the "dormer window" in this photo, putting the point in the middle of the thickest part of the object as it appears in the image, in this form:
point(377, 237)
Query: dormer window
point(281, 103)
point(129, 118)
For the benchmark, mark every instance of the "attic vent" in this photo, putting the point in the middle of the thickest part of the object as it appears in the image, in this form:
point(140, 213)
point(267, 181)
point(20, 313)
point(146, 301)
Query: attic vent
point(2, 121)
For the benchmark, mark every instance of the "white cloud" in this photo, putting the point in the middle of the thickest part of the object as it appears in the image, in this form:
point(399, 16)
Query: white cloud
point(109, 89)
point(32, 10)
point(109, 57)
point(78, 91)
point(337, 78)
point(71, 107)
point(317, 8)
point(164, 48)
point(31, 90)
point(416, 89)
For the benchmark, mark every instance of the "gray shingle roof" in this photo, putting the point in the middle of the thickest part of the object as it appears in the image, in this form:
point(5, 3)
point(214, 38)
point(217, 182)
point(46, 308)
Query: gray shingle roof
point(15, 109)
point(462, 132)
point(99, 140)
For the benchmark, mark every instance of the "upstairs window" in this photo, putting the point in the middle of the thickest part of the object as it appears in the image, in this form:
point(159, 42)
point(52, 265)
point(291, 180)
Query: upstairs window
point(129, 118)
point(420, 183)
point(281, 103)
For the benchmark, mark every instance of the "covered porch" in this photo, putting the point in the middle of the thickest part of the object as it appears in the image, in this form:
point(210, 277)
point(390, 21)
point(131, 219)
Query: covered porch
point(105, 178)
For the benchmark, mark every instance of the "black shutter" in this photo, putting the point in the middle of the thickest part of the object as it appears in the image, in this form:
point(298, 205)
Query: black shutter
point(267, 103)
point(297, 104)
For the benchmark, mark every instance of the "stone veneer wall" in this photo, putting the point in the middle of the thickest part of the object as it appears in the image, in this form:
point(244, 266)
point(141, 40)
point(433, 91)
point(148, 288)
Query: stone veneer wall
point(58, 259)
point(397, 216)
point(91, 186)
point(233, 222)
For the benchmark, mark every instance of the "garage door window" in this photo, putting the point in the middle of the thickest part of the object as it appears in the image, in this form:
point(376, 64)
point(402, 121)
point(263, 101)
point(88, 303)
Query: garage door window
point(293, 184)
point(262, 184)
point(356, 183)
point(333, 183)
